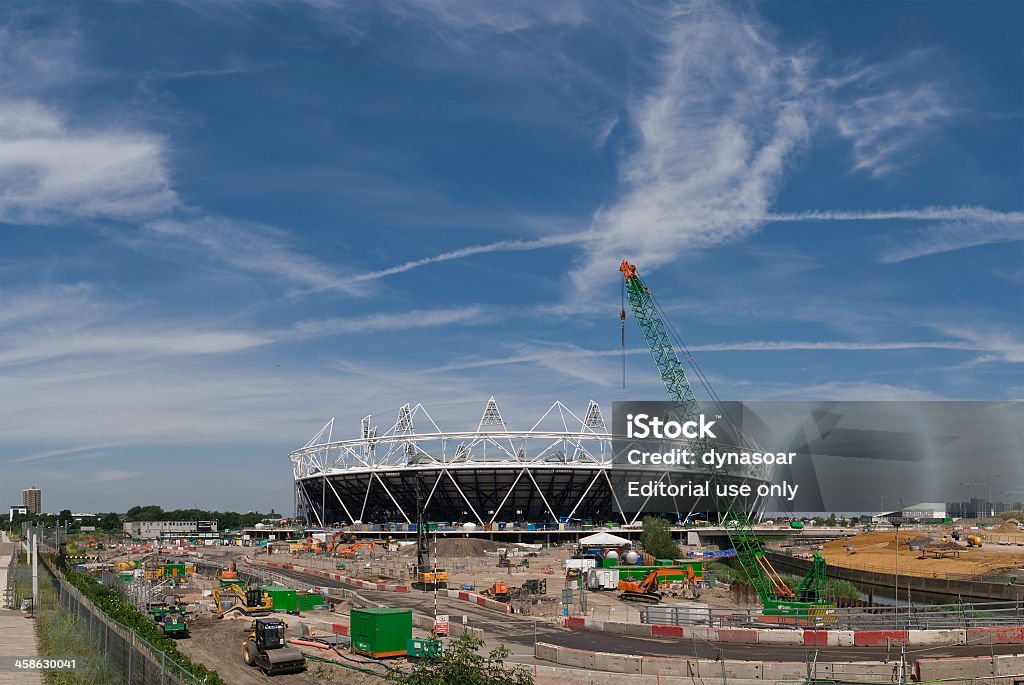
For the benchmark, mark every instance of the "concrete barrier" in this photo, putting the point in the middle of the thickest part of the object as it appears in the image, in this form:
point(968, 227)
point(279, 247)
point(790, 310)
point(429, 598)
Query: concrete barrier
point(923, 638)
point(880, 638)
point(617, 663)
point(998, 636)
point(668, 671)
point(783, 670)
point(738, 636)
point(665, 666)
point(951, 668)
point(780, 637)
point(639, 629)
point(575, 657)
point(546, 652)
point(667, 631)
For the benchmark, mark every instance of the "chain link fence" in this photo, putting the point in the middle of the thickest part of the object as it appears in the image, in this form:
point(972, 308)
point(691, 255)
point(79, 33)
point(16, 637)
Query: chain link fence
point(132, 660)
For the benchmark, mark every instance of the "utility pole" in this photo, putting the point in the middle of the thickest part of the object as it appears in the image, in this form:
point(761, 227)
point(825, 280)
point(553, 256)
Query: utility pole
point(35, 571)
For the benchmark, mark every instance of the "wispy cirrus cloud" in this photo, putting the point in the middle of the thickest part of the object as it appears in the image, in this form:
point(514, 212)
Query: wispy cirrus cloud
point(51, 172)
point(714, 135)
point(395, 321)
point(883, 129)
point(951, 236)
point(251, 248)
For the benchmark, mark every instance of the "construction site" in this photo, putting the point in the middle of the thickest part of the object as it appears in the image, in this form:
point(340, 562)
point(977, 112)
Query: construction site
point(550, 565)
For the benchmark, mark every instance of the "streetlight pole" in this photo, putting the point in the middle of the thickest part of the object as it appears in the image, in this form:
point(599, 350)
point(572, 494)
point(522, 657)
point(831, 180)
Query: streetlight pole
point(896, 525)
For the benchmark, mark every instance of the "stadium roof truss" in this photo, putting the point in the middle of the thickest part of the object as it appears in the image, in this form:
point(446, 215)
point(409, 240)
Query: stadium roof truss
point(414, 445)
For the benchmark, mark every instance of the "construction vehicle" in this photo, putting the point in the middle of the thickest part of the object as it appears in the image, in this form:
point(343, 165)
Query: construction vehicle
point(266, 649)
point(503, 561)
point(352, 550)
point(781, 604)
point(251, 602)
point(974, 541)
point(498, 591)
point(338, 539)
point(428, 577)
point(173, 623)
point(648, 590)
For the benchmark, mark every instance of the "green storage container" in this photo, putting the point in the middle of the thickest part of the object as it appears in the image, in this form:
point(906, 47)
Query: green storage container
point(284, 598)
point(381, 632)
point(174, 571)
point(126, 577)
point(309, 600)
point(609, 563)
point(639, 572)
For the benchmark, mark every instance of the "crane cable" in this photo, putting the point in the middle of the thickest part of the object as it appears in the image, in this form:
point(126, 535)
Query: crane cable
point(622, 320)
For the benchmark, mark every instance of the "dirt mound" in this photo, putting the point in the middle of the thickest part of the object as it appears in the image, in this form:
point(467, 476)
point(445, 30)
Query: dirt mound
point(457, 547)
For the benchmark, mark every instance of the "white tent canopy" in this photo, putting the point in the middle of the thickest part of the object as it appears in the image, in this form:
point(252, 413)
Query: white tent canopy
point(604, 540)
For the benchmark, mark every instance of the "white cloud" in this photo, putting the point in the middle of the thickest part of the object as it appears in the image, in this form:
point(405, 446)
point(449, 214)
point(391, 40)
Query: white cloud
point(850, 391)
point(253, 248)
point(714, 137)
point(51, 172)
point(951, 236)
point(884, 128)
point(395, 321)
point(556, 240)
point(173, 342)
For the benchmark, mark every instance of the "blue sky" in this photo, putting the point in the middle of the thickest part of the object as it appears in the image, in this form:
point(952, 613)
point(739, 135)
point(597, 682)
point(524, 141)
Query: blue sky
point(225, 223)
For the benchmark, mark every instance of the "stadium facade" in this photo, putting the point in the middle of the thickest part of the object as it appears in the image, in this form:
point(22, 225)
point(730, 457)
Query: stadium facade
point(558, 470)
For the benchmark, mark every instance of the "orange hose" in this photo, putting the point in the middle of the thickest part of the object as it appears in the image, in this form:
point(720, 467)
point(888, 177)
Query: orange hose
point(307, 643)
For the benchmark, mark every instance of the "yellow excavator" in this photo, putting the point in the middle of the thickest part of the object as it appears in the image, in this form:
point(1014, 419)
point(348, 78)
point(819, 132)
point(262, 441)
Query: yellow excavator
point(250, 602)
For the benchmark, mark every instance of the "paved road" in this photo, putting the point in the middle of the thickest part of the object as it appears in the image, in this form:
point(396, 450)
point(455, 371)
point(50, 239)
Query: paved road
point(518, 632)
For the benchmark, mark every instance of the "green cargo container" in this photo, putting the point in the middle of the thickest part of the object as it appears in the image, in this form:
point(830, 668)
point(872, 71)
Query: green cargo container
point(284, 598)
point(609, 563)
point(308, 601)
point(638, 572)
point(174, 571)
point(381, 632)
point(127, 577)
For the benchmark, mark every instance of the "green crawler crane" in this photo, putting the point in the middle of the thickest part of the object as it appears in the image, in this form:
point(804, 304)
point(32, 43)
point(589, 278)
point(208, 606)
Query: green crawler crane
point(806, 606)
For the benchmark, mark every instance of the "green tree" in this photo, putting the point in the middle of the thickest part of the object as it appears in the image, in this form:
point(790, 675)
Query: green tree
point(462, 664)
point(109, 521)
point(656, 538)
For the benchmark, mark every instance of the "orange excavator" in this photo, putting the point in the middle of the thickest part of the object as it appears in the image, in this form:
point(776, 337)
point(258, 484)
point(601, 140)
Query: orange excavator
point(646, 591)
point(338, 539)
point(352, 550)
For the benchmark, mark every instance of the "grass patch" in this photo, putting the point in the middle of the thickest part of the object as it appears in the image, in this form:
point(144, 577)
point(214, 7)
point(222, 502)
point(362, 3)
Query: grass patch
point(727, 572)
point(111, 602)
point(62, 636)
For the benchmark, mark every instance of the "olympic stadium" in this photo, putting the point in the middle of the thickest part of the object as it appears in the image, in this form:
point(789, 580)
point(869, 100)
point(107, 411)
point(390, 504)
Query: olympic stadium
point(558, 470)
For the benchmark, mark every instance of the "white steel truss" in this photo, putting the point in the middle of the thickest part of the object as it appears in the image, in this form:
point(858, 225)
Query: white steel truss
point(559, 445)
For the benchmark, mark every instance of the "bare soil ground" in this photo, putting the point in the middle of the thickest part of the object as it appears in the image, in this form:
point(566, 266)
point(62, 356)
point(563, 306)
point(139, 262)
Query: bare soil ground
point(876, 551)
point(218, 645)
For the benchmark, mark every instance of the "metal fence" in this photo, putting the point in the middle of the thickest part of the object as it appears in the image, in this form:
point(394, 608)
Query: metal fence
point(132, 660)
point(936, 617)
point(10, 588)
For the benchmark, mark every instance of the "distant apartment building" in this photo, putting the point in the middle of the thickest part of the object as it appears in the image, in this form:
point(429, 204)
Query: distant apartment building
point(154, 530)
point(33, 499)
